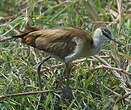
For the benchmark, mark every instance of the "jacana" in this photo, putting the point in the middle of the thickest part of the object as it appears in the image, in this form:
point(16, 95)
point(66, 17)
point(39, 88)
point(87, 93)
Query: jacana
point(65, 44)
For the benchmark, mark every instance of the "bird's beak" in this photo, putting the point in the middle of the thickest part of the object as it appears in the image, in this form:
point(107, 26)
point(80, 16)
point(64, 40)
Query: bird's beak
point(116, 41)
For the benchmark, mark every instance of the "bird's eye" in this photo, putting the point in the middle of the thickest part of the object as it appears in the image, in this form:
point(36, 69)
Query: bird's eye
point(106, 32)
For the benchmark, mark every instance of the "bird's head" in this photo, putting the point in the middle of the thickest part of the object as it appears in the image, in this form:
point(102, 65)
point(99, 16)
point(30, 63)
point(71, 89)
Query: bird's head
point(105, 34)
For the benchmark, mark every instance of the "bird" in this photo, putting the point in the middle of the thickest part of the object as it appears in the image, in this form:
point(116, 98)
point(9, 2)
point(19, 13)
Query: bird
point(65, 44)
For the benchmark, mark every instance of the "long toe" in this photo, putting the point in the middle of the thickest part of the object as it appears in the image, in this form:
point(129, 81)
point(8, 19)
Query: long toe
point(67, 93)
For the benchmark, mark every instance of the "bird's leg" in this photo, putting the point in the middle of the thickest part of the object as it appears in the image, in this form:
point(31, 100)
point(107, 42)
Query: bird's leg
point(38, 67)
point(67, 92)
point(67, 72)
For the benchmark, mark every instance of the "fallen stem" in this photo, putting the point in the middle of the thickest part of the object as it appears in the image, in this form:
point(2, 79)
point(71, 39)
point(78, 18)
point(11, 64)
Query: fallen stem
point(117, 94)
point(116, 69)
point(6, 39)
point(110, 68)
point(28, 93)
point(119, 98)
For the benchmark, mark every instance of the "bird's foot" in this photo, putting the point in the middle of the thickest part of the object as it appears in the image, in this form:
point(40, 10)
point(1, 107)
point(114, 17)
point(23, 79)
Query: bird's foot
point(67, 93)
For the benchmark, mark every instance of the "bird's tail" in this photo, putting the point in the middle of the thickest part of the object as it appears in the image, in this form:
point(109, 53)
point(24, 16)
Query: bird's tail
point(28, 29)
point(21, 35)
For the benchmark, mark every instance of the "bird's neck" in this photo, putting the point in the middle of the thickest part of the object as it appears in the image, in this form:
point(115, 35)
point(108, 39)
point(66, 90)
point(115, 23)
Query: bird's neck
point(97, 43)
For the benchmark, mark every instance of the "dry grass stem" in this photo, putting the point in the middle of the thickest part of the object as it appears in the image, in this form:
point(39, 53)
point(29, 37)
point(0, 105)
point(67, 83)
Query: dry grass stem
point(28, 93)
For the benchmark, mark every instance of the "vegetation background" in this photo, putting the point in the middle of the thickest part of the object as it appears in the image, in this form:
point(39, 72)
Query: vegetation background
point(94, 86)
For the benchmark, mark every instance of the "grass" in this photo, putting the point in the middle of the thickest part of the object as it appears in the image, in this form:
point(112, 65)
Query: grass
point(95, 89)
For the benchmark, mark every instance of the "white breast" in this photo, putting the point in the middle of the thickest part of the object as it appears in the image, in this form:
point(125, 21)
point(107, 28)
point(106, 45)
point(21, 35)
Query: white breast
point(76, 51)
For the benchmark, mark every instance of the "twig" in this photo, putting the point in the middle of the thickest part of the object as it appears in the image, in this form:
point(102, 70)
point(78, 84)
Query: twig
point(119, 98)
point(110, 68)
point(5, 39)
point(120, 12)
point(61, 64)
point(60, 4)
point(100, 22)
point(116, 69)
point(110, 90)
point(14, 30)
point(9, 38)
point(101, 60)
point(78, 61)
point(92, 10)
point(28, 93)
point(6, 18)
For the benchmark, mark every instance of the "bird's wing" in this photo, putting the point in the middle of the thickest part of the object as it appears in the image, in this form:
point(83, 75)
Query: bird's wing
point(58, 42)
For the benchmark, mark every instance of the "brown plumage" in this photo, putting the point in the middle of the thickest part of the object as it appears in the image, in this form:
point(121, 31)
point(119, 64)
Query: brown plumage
point(57, 42)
